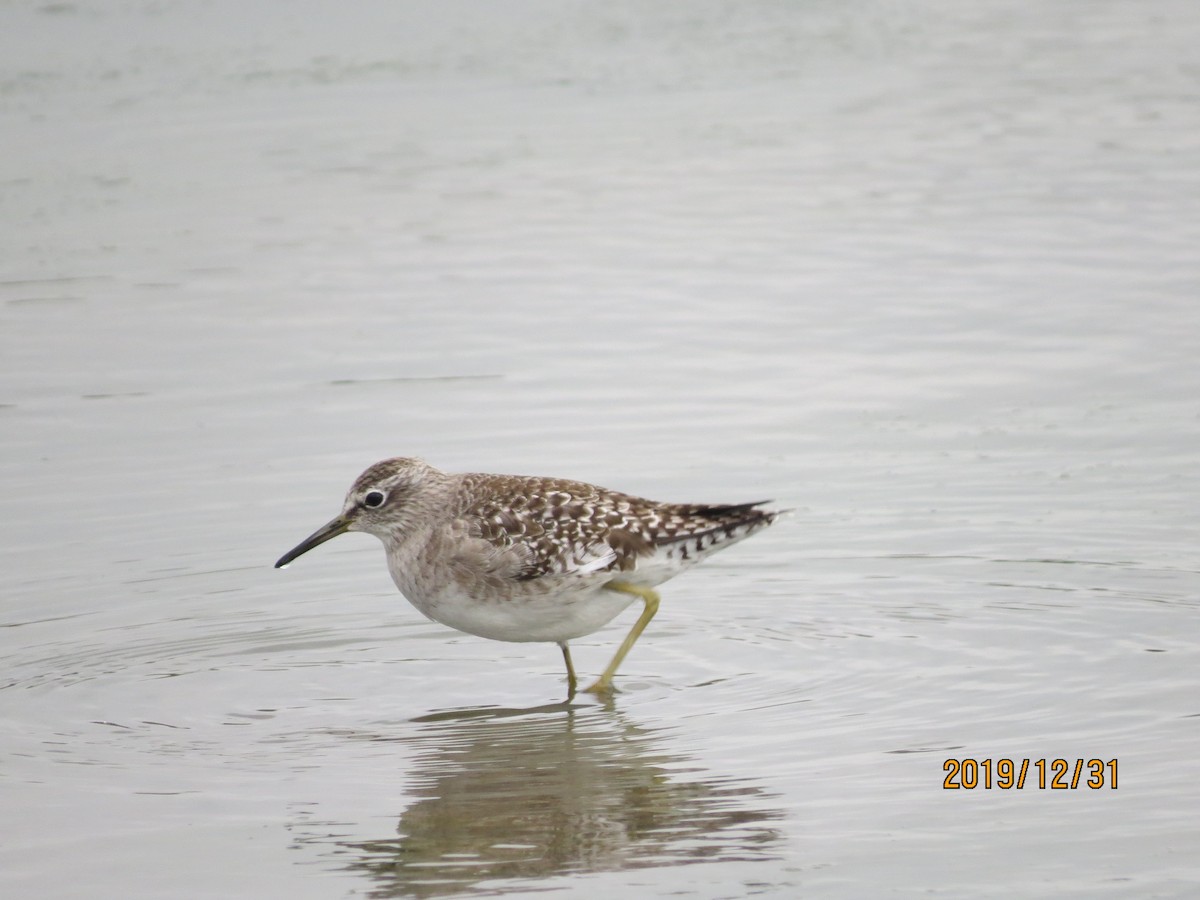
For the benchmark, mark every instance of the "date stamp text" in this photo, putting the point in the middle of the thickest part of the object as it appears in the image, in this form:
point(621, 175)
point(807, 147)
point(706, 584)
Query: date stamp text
point(1016, 774)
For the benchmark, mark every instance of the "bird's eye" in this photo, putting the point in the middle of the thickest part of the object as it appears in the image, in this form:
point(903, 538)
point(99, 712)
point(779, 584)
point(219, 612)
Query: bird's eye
point(374, 499)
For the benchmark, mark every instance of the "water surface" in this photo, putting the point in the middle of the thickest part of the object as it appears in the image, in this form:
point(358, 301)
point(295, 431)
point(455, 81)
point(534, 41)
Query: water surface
point(926, 275)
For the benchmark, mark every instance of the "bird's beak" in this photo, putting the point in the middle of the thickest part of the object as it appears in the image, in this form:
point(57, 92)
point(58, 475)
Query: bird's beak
point(340, 525)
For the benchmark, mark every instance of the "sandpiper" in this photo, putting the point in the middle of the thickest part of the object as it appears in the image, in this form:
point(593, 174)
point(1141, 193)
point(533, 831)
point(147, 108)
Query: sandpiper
point(519, 558)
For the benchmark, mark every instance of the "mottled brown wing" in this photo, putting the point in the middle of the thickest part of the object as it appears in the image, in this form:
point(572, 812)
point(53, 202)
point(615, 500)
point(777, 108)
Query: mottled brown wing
point(558, 527)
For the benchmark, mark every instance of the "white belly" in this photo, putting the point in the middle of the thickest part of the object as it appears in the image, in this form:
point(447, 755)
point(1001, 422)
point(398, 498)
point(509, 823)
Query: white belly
point(554, 617)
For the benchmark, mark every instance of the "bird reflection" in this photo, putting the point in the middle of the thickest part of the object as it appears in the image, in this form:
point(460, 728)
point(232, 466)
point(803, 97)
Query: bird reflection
point(554, 791)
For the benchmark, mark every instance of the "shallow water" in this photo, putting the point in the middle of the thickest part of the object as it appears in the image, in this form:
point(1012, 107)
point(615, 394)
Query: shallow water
point(926, 275)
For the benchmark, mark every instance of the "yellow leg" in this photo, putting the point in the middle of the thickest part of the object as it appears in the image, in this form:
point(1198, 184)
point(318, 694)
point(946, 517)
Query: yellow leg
point(572, 682)
point(604, 683)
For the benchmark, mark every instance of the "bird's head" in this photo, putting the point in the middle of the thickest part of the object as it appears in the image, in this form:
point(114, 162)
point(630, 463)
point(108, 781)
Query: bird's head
point(377, 503)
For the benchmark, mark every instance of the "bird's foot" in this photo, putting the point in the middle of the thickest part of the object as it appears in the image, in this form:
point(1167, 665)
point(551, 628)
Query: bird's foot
point(602, 687)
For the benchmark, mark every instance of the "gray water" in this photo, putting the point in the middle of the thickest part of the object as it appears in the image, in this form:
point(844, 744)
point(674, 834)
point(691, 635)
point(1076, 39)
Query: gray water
point(926, 273)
